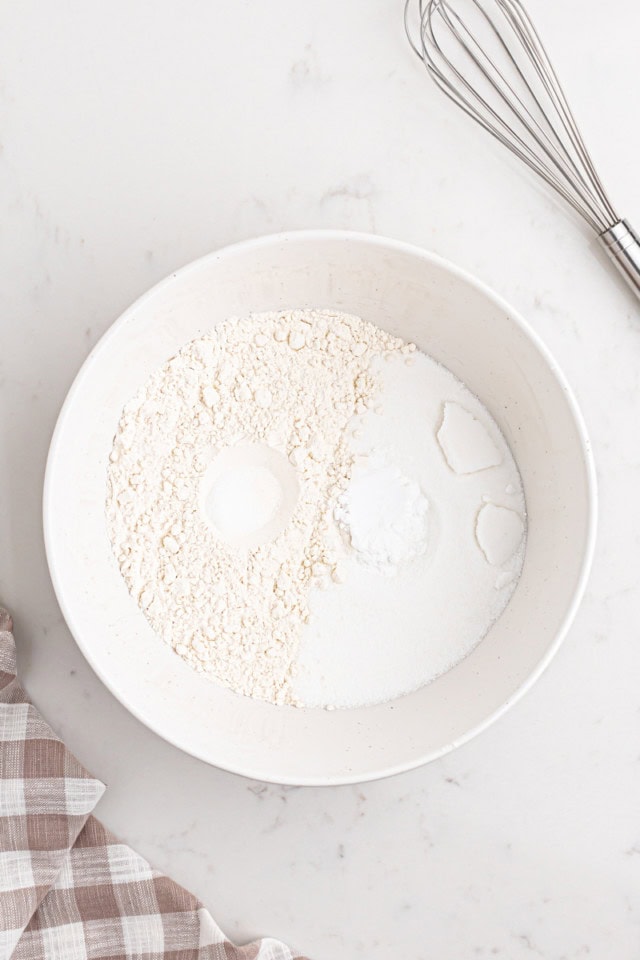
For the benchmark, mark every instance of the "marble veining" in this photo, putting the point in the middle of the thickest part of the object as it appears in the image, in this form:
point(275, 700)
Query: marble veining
point(137, 138)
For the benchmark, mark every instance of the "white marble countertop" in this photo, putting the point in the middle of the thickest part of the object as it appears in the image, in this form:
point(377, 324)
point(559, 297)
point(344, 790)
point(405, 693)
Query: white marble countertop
point(139, 136)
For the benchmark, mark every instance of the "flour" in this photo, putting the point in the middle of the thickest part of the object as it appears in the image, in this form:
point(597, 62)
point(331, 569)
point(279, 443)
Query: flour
point(309, 511)
point(223, 478)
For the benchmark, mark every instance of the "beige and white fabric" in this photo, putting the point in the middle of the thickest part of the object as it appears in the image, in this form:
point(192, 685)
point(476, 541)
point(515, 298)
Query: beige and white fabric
point(69, 890)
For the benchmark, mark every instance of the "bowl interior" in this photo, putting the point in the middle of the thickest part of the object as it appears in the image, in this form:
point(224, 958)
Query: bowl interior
point(458, 322)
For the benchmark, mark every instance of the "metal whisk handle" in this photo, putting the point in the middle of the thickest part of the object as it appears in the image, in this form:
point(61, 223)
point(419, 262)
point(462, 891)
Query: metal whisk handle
point(622, 244)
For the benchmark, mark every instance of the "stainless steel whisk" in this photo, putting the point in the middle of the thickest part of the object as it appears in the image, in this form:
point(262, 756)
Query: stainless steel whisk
point(487, 57)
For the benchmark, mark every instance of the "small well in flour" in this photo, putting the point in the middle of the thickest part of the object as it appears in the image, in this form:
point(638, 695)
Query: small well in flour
point(248, 494)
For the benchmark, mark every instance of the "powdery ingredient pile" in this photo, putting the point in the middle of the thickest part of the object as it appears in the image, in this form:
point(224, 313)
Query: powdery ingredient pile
point(260, 405)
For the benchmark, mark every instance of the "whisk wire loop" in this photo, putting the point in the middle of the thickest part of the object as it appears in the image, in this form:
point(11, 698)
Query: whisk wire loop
point(513, 93)
point(507, 94)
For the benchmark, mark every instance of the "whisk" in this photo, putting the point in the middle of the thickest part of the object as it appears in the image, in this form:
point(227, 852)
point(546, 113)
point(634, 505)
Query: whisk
point(487, 57)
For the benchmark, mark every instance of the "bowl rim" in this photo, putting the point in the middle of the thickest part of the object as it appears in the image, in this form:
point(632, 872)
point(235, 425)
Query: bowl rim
point(399, 246)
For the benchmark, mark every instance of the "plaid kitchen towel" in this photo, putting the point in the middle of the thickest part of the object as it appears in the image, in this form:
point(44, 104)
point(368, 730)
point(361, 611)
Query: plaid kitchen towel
point(69, 890)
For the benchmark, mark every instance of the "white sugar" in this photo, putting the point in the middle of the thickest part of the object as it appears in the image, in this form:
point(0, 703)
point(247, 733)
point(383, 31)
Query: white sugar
point(399, 620)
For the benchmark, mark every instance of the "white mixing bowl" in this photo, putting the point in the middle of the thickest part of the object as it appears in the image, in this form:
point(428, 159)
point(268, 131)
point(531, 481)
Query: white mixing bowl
point(459, 322)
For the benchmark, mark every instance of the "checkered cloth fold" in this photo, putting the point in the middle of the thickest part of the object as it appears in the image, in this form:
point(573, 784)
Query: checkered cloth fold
point(69, 890)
